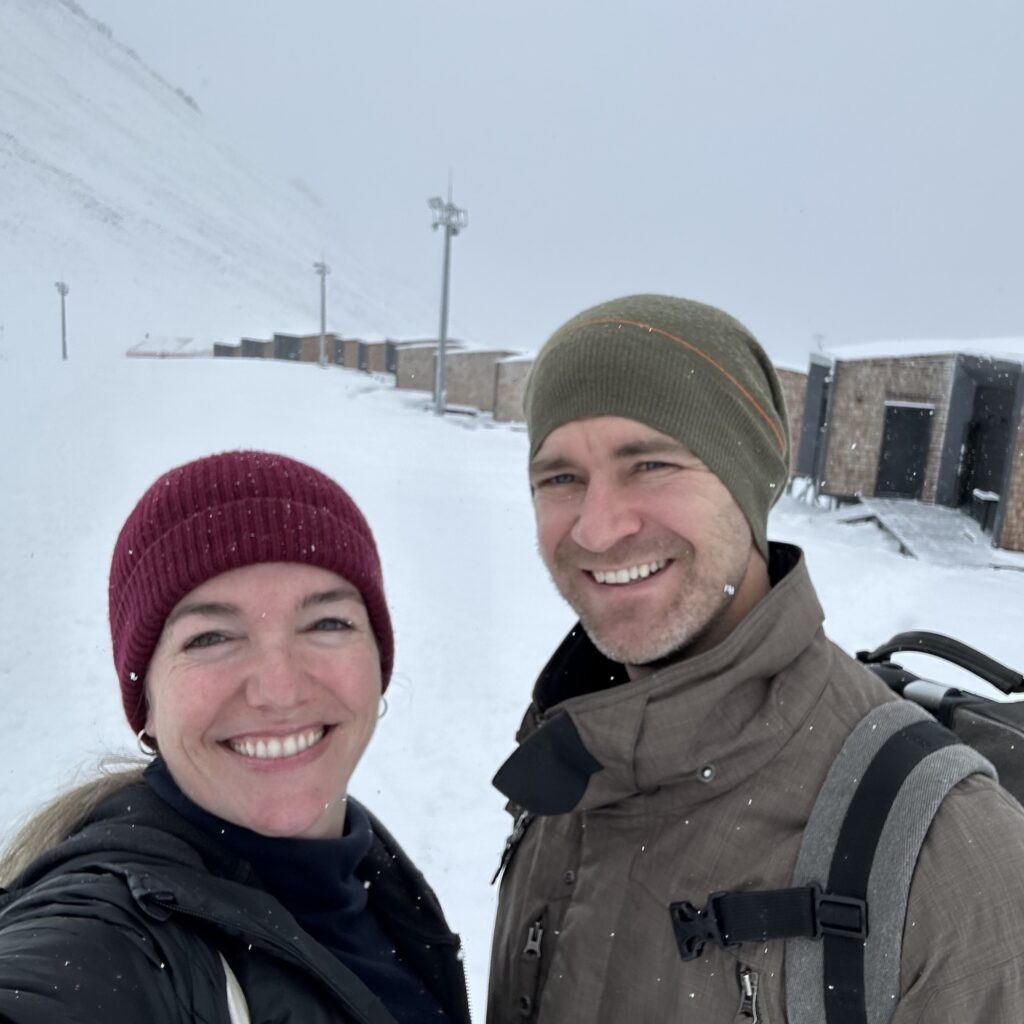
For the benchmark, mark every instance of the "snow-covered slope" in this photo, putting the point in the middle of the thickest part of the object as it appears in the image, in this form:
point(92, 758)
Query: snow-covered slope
point(111, 179)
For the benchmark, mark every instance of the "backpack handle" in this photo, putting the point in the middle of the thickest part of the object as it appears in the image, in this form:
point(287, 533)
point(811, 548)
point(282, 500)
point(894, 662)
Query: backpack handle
point(922, 642)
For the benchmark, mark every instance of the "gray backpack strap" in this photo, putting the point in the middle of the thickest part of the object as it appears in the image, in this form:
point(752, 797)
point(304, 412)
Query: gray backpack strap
point(907, 819)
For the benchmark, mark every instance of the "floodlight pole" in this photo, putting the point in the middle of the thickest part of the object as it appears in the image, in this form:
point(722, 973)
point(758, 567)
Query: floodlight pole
point(63, 290)
point(453, 220)
point(323, 270)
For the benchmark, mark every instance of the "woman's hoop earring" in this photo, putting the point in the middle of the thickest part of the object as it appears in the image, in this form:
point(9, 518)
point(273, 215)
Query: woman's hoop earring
point(383, 707)
point(147, 745)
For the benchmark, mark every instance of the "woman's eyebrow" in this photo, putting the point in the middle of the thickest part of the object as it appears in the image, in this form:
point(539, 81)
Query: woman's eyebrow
point(213, 608)
point(330, 596)
point(208, 608)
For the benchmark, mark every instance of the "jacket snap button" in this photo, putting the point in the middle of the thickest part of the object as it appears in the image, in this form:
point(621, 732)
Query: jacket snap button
point(707, 773)
point(525, 1006)
point(569, 877)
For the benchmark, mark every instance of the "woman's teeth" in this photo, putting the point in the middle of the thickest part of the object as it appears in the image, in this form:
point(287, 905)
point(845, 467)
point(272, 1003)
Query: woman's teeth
point(277, 746)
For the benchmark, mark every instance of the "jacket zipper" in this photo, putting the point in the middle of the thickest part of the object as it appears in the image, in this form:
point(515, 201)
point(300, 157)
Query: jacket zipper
point(533, 939)
point(460, 957)
point(749, 982)
point(531, 954)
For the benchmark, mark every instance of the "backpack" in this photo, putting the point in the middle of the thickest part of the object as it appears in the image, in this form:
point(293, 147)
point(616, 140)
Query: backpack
point(843, 921)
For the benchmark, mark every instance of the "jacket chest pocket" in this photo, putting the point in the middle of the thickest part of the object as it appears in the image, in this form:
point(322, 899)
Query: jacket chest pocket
point(531, 962)
point(751, 999)
point(536, 893)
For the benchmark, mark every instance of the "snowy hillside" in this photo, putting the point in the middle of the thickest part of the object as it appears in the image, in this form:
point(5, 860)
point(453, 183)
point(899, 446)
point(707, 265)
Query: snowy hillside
point(475, 617)
point(111, 180)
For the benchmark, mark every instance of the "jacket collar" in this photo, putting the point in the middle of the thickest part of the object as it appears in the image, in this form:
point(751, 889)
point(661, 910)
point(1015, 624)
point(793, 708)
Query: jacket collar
point(700, 724)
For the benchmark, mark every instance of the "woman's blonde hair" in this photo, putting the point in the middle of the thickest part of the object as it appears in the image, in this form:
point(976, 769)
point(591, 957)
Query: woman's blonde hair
point(63, 815)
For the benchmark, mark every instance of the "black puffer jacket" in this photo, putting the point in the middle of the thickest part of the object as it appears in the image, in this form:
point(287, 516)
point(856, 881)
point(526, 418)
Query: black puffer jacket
point(126, 921)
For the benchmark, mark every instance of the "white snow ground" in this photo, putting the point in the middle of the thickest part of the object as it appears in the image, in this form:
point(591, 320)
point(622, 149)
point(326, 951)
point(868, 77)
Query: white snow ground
point(474, 614)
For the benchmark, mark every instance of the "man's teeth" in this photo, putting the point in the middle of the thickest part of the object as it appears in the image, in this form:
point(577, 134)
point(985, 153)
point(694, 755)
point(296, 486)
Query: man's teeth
point(278, 746)
point(634, 572)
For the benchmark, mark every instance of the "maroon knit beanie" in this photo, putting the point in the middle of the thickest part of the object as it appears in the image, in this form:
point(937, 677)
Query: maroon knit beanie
point(220, 513)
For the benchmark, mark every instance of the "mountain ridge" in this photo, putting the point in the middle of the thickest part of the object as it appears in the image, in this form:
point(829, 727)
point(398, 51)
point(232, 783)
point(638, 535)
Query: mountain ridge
point(115, 182)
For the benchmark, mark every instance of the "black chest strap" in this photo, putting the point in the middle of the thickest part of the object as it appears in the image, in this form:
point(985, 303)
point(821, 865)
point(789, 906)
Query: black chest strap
point(732, 918)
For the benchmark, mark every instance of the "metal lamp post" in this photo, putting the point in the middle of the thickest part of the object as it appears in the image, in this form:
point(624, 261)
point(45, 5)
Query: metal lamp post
point(453, 220)
point(63, 290)
point(323, 270)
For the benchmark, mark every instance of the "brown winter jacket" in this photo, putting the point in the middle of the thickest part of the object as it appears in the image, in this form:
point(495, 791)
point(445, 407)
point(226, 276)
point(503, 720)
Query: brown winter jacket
point(700, 778)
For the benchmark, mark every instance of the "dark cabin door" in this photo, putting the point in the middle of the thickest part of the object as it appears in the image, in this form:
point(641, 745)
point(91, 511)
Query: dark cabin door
point(904, 455)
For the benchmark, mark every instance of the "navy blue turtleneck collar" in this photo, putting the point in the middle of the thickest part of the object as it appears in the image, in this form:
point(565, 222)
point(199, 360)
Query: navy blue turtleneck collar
point(315, 880)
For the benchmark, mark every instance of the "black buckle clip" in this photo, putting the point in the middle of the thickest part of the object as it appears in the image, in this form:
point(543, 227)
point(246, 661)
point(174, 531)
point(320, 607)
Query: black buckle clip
point(845, 916)
point(694, 927)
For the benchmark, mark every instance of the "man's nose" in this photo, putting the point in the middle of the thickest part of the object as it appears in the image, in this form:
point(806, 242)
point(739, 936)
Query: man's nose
point(605, 516)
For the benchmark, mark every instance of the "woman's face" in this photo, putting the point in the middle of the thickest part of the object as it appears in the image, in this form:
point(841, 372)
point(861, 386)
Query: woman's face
point(263, 694)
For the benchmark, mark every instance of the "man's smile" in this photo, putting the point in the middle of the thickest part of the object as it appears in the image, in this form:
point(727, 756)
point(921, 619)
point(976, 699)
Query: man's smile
point(628, 574)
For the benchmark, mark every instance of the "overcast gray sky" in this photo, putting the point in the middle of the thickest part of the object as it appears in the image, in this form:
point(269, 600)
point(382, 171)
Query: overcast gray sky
point(853, 170)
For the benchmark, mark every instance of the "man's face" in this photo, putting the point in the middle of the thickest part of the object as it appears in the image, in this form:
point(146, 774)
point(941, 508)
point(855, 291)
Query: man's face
point(642, 539)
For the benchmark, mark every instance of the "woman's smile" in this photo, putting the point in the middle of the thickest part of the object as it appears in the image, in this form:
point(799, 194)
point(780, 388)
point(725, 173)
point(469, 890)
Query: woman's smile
point(275, 748)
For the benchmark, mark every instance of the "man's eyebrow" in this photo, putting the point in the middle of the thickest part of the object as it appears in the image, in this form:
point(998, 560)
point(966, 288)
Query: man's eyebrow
point(651, 446)
point(551, 464)
point(207, 608)
point(330, 597)
point(626, 450)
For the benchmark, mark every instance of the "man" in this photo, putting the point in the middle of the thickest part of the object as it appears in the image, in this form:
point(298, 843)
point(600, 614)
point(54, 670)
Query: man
point(679, 736)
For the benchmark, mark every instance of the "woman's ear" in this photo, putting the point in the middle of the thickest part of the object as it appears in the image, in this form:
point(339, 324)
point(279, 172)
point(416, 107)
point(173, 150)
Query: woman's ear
point(150, 727)
point(146, 736)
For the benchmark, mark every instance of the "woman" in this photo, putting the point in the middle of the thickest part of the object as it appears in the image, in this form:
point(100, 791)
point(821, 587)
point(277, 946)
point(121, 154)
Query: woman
point(233, 878)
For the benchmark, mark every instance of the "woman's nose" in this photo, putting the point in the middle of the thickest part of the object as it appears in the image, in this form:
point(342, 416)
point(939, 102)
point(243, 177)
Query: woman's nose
point(277, 679)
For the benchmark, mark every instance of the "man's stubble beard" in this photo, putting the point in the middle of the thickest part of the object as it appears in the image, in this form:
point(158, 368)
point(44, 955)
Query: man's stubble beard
point(692, 612)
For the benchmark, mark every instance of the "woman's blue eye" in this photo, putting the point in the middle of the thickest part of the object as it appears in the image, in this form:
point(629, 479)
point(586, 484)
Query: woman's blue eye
point(205, 640)
point(328, 625)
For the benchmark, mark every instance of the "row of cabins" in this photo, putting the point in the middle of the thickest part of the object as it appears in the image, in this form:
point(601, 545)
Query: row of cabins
point(939, 423)
point(904, 421)
point(486, 380)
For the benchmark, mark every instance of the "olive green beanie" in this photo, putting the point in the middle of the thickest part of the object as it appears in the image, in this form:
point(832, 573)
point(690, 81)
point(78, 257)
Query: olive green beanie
point(683, 368)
